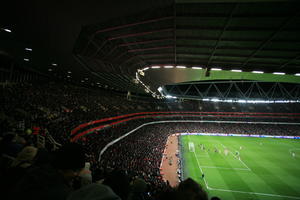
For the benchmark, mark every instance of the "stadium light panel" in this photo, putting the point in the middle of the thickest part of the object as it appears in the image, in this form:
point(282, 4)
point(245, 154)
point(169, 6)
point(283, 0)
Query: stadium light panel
point(258, 72)
point(279, 73)
point(236, 70)
point(196, 67)
point(146, 68)
point(135, 81)
point(168, 66)
point(7, 30)
point(26, 59)
point(54, 64)
point(69, 72)
point(216, 69)
point(297, 74)
point(28, 49)
point(215, 100)
point(141, 72)
point(242, 101)
point(155, 67)
point(181, 67)
point(50, 70)
point(228, 100)
point(170, 97)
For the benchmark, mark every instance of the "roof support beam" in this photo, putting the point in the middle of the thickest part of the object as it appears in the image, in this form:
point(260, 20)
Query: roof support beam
point(233, 28)
point(234, 39)
point(235, 48)
point(221, 34)
point(219, 55)
point(126, 26)
point(145, 42)
point(140, 34)
point(133, 24)
point(270, 38)
point(290, 61)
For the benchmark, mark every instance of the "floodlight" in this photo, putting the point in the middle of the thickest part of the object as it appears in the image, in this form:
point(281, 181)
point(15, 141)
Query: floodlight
point(7, 30)
point(236, 70)
point(279, 73)
point(196, 67)
point(216, 69)
point(258, 72)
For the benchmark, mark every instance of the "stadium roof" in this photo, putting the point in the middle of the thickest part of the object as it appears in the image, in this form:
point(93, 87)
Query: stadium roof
point(112, 43)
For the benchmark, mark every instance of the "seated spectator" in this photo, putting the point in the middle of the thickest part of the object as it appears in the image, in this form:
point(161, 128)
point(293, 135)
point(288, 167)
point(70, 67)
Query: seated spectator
point(190, 189)
point(119, 182)
point(18, 169)
point(52, 181)
point(9, 146)
point(94, 191)
point(25, 157)
point(138, 190)
point(187, 190)
point(215, 198)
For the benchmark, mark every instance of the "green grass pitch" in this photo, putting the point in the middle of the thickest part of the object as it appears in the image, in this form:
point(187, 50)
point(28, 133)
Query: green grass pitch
point(265, 170)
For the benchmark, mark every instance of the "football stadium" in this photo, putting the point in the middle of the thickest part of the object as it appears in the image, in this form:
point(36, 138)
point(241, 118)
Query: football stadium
point(150, 100)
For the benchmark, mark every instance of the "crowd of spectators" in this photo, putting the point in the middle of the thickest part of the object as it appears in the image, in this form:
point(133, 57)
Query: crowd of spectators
point(60, 108)
point(129, 169)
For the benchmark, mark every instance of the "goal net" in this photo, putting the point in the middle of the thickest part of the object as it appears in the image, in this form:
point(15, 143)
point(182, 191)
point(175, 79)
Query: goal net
point(191, 147)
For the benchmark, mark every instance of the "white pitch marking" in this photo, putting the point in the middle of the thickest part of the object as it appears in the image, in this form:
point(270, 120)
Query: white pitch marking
point(237, 158)
point(206, 184)
point(256, 193)
point(225, 168)
point(203, 156)
point(243, 192)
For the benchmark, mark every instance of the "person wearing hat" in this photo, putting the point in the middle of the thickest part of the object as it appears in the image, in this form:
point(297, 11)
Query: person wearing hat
point(52, 181)
point(18, 169)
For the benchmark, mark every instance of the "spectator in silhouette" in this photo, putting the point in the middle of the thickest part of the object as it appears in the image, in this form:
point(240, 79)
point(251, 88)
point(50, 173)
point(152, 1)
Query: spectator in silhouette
point(119, 182)
point(52, 181)
point(18, 169)
point(192, 190)
point(94, 191)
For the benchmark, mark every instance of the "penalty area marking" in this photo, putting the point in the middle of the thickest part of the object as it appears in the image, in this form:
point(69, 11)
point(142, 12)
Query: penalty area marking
point(203, 156)
point(230, 168)
point(237, 191)
point(237, 158)
point(206, 184)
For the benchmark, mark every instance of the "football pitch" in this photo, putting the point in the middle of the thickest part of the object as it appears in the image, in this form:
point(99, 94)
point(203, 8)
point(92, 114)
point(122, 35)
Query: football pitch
point(243, 167)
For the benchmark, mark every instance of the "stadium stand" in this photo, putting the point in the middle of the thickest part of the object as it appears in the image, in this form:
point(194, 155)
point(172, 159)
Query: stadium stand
point(54, 110)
